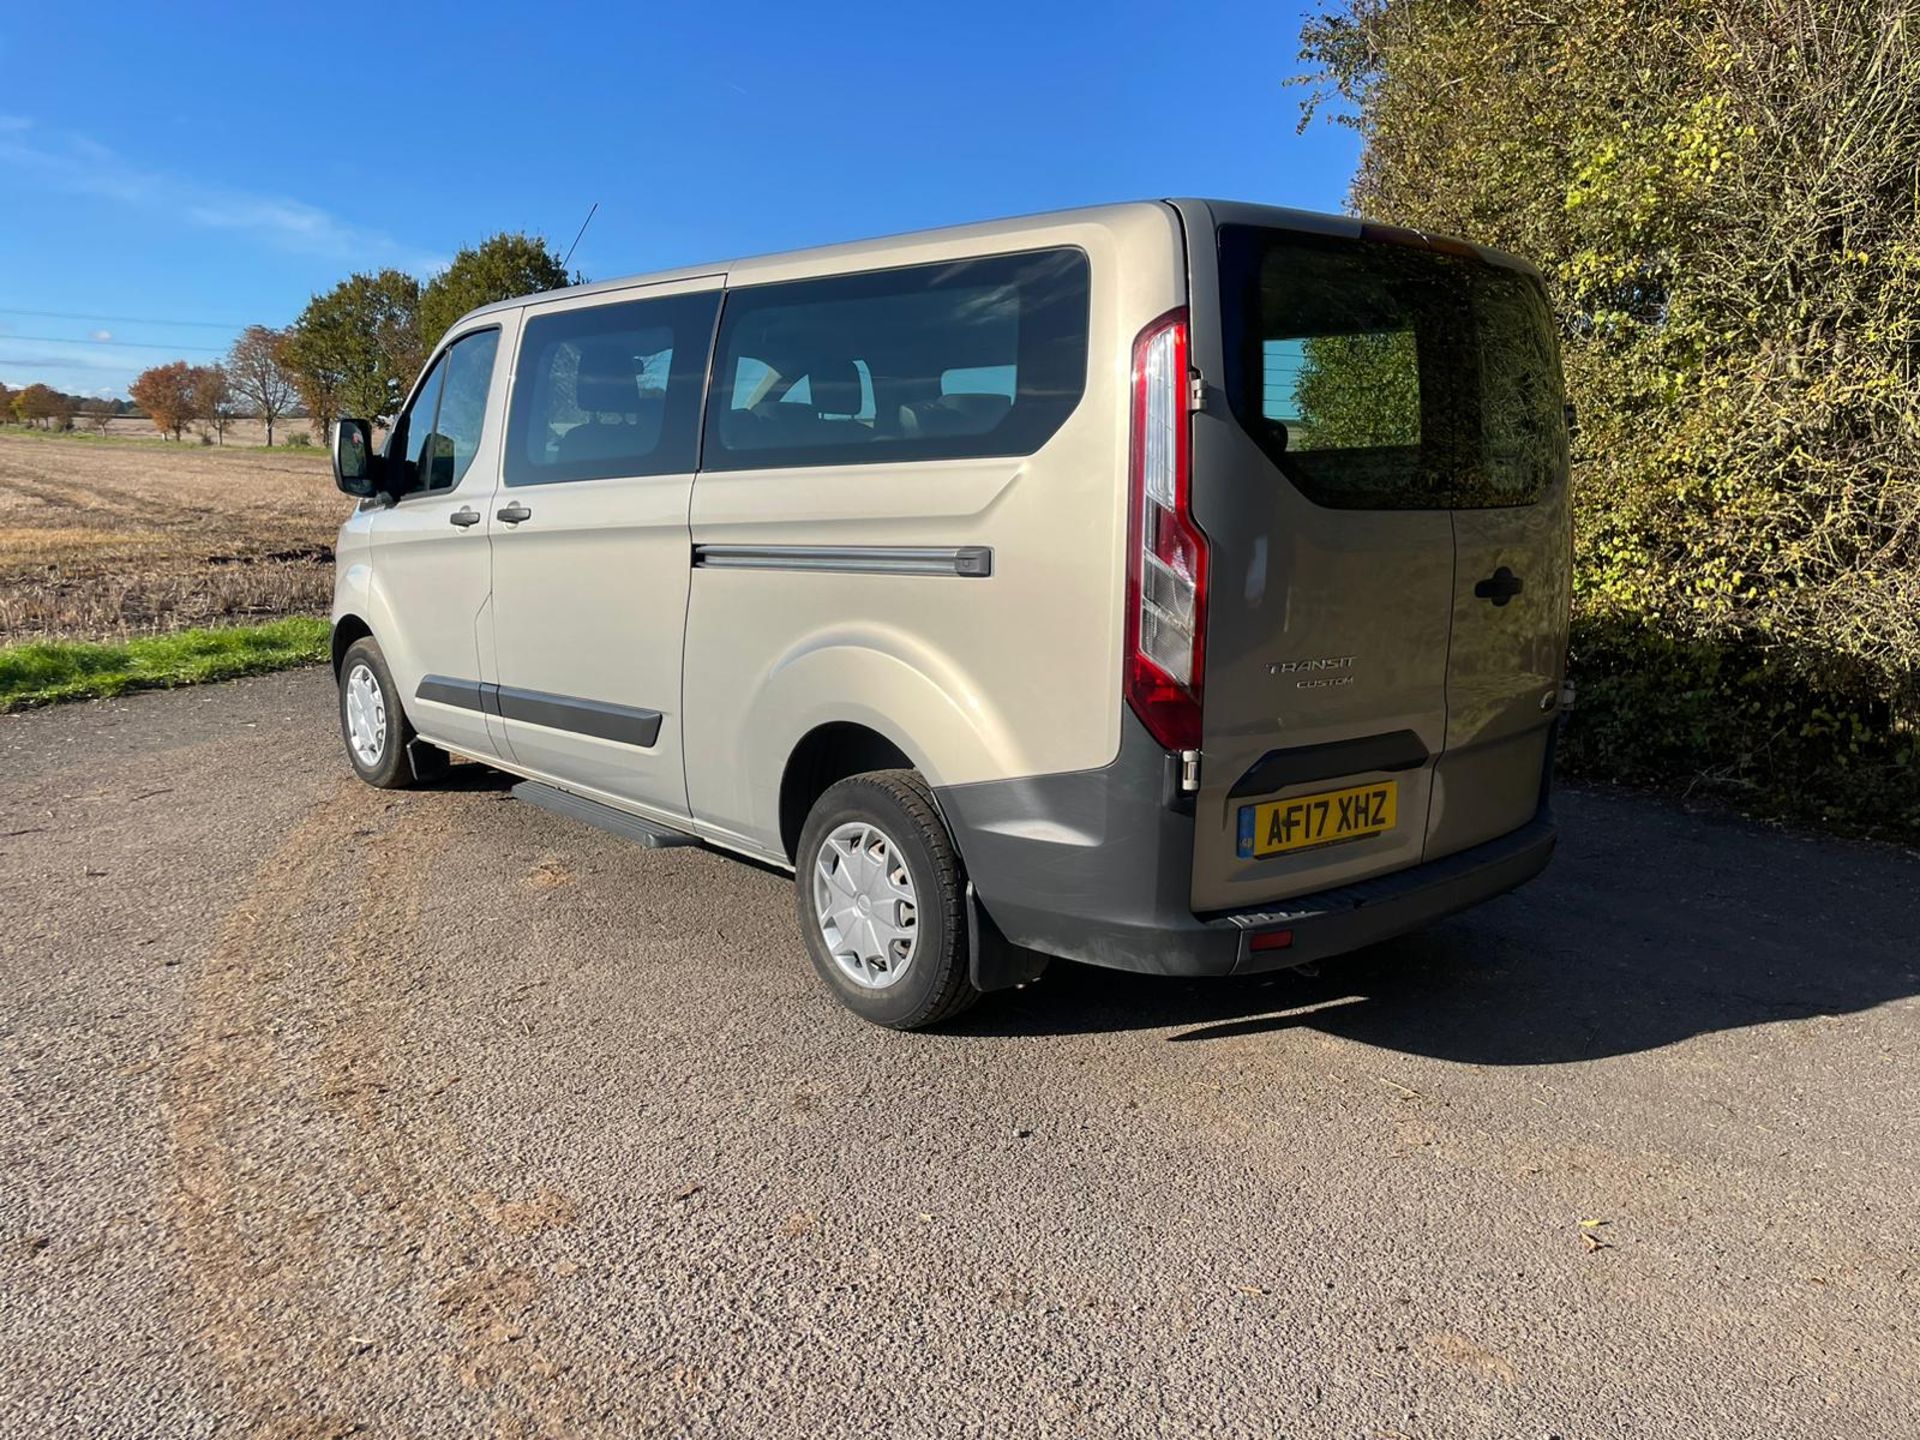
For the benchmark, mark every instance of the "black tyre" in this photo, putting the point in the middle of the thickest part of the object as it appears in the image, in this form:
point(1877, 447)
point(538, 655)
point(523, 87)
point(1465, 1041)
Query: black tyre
point(882, 901)
point(380, 741)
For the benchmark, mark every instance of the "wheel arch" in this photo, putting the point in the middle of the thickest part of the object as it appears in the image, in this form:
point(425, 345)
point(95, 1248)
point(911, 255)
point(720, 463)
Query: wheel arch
point(824, 756)
point(346, 630)
point(922, 711)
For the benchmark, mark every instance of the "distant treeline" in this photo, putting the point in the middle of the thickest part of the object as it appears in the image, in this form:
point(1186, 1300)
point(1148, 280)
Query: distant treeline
point(353, 351)
point(43, 407)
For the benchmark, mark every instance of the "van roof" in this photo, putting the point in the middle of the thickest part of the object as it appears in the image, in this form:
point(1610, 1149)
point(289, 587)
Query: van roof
point(1225, 212)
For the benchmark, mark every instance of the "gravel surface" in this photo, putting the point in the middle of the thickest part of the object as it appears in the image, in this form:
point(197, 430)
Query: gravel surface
point(328, 1111)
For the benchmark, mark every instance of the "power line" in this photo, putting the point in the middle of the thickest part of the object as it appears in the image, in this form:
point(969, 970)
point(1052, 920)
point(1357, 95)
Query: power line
point(50, 362)
point(123, 344)
point(120, 319)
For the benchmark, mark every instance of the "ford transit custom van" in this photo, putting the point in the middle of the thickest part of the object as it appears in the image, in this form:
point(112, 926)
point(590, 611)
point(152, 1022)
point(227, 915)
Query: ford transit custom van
point(1175, 586)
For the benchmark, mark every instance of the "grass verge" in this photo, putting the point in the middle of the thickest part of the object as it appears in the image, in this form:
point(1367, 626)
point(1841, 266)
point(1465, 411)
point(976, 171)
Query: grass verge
point(46, 672)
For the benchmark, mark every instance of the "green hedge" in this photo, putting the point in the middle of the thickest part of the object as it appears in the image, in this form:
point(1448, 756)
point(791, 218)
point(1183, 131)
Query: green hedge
point(1724, 200)
point(1738, 723)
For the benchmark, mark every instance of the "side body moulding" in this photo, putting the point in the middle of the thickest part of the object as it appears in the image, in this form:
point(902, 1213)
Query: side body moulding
point(627, 724)
point(971, 561)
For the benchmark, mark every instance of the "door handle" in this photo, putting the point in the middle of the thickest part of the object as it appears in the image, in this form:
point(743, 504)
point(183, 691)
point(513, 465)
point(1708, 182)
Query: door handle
point(513, 514)
point(466, 515)
point(1499, 587)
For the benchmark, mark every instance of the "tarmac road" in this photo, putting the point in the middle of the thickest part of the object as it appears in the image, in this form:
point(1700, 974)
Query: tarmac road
point(329, 1111)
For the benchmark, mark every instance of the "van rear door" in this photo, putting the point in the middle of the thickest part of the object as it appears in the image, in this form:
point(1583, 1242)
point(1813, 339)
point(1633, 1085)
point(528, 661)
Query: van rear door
point(1346, 425)
point(1331, 561)
point(1513, 543)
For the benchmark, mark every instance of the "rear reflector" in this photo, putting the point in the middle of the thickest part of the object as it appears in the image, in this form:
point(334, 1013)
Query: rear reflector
point(1271, 940)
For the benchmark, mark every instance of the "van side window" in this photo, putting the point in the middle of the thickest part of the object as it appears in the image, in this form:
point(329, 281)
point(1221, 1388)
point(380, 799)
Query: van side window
point(927, 362)
point(440, 433)
point(610, 390)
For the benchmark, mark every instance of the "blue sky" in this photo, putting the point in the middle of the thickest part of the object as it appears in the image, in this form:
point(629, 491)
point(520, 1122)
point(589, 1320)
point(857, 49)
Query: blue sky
point(193, 163)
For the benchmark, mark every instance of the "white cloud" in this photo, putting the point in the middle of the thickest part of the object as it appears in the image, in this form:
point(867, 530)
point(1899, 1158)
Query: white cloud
point(103, 334)
point(76, 164)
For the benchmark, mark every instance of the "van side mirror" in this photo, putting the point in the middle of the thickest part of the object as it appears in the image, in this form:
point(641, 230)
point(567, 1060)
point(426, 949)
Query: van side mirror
point(355, 466)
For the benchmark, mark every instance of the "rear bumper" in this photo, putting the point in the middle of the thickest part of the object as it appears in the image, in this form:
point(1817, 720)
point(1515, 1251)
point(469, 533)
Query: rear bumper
point(1335, 921)
point(1096, 866)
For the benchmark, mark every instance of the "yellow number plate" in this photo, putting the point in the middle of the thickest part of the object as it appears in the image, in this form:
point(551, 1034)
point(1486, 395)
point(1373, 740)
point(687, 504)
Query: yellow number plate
point(1273, 827)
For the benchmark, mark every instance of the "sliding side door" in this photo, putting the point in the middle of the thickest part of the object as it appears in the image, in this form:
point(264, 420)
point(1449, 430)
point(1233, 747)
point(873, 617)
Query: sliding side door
point(590, 540)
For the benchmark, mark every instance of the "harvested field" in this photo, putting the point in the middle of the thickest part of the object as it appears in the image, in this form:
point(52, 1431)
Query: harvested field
point(103, 541)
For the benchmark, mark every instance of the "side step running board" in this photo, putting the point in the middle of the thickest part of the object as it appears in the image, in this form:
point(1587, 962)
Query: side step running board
point(604, 817)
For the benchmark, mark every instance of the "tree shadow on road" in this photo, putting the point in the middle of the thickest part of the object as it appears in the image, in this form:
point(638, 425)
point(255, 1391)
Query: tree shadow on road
point(1651, 926)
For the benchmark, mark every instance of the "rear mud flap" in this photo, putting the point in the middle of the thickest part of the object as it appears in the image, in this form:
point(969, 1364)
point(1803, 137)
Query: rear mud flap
point(993, 961)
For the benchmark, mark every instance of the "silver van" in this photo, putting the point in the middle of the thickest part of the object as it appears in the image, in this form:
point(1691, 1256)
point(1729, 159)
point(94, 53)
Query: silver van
point(1176, 586)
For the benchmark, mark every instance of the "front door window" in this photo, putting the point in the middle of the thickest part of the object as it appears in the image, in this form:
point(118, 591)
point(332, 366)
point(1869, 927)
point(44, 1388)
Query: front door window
point(440, 432)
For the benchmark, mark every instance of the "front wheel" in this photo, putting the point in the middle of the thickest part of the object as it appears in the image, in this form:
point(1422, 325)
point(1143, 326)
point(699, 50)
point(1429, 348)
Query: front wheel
point(380, 741)
point(882, 901)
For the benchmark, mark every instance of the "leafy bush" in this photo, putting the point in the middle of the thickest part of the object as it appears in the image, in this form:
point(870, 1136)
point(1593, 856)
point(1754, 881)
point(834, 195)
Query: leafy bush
point(1724, 199)
point(1742, 721)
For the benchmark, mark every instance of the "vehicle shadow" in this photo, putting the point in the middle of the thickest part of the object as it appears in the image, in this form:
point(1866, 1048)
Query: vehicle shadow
point(1652, 925)
point(469, 776)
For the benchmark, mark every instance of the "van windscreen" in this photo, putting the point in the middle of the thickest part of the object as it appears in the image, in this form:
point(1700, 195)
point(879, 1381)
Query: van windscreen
point(1390, 376)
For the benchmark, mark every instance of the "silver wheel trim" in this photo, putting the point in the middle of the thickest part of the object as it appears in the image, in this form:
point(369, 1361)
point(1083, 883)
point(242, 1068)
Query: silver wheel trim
point(366, 715)
point(865, 904)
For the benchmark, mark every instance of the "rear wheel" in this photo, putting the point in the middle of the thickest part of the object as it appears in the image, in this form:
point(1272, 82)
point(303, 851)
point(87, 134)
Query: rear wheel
point(882, 901)
point(380, 741)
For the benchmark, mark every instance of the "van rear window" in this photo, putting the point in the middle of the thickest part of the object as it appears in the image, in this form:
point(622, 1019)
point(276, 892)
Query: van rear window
point(925, 362)
point(1385, 376)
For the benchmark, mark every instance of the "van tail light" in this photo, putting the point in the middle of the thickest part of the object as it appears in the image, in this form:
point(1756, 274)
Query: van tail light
point(1166, 553)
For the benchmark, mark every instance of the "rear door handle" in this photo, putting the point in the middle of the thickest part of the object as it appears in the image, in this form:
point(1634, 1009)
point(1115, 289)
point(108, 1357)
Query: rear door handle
point(1499, 587)
point(466, 515)
point(513, 514)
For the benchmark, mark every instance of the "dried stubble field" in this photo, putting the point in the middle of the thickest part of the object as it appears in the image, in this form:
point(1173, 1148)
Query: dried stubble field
point(101, 541)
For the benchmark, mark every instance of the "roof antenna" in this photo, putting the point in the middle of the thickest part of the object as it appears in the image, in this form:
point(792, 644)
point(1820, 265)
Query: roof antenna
point(576, 239)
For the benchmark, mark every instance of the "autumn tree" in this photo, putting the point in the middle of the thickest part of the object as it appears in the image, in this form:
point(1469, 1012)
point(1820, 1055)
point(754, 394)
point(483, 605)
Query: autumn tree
point(166, 393)
point(499, 268)
point(213, 398)
point(261, 377)
point(37, 405)
point(355, 349)
point(99, 414)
